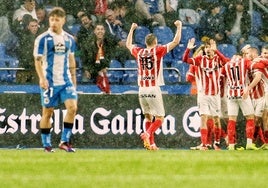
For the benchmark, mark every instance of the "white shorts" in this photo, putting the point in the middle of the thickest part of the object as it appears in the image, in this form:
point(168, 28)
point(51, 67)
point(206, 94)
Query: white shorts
point(266, 100)
point(224, 109)
point(209, 104)
point(151, 101)
point(258, 105)
point(246, 106)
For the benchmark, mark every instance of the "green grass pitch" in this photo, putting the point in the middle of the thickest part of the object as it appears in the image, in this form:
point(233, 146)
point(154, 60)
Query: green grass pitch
point(32, 168)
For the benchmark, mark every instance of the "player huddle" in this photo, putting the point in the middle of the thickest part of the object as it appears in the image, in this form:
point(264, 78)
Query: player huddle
point(226, 85)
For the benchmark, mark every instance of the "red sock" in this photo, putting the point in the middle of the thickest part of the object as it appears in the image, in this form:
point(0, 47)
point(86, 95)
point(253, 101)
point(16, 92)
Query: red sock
point(106, 84)
point(250, 127)
point(217, 134)
point(154, 126)
point(210, 126)
point(223, 133)
point(147, 126)
point(204, 135)
point(256, 132)
point(99, 82)
point(265, 134)
point(231, 131)
point(260, 133)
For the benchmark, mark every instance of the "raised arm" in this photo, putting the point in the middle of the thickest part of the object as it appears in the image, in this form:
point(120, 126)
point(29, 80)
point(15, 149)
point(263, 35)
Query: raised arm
point(186, 54)
point(177, 37)
point(130, 36)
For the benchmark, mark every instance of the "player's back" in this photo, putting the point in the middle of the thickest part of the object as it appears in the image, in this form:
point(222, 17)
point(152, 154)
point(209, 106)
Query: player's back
point(236, 72)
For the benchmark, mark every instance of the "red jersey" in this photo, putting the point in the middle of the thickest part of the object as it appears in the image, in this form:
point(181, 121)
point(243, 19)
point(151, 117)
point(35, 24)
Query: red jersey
point(150, 65)
point(208, 70)
point(258, 90)
point(100, 7)
point(236, 72)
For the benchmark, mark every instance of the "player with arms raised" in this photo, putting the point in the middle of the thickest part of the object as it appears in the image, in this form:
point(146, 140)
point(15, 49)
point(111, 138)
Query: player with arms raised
point(150, 78)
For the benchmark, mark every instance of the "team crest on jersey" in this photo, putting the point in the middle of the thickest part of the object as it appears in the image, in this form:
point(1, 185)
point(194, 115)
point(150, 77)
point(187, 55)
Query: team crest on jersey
point(46, 100)
point(59, 48)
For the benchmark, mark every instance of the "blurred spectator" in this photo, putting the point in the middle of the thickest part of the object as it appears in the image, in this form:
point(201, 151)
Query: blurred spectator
point(212, 24)
point(86, 29)
point(42, 18)
point(237, 23)
point(189, 17)
point(171, 12)
point(70, 24)
point(116, 30)
point(97, 52)
point(127, 14)
point(25, 54)
point(28, 7)
point(115, 26)
point(7, 37)
point(100, 8)
point(149, 9)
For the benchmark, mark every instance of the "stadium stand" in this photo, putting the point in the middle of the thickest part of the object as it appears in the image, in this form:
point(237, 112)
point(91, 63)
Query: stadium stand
point(115, 72)
point(139, 35)
point(164, 34)
point(227, 49)
point(182, 67)
point(187, 33)
point(130, 72)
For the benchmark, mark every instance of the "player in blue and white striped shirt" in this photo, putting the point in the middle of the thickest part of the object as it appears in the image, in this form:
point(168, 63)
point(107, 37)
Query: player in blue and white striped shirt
point(56, 69)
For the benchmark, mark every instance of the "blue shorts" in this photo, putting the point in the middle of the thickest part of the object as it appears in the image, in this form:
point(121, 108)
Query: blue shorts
point(56, 95)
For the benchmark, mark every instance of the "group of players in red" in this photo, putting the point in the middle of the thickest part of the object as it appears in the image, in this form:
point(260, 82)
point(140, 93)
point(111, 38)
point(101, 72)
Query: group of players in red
point(223, 87)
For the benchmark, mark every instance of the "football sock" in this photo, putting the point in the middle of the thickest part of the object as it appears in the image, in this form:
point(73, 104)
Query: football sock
point(231, 131)
point(260, 133)
point(67, 132)
point(250, 127)
point(106, 84)
point(210, 125)
point(204, 135)
point(265, 134)
point(155, 125)
point(223, 133)
point(46, 137)
point(217, 134)
point(147, 126)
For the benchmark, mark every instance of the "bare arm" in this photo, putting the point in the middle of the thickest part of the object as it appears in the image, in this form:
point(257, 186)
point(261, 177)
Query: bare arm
point(130, 36)
point(72, 68)
point(43, 83)
point(255, 81)
point(177, 37)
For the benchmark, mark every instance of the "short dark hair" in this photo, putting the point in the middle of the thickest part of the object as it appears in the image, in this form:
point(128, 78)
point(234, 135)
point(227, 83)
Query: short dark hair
point(265, 47)
point(85, 14)
point(150, 38)
point(57, 11)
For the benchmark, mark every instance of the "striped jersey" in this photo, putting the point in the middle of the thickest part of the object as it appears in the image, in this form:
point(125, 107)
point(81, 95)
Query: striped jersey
point(208, 70)
point(192, 75)
point(55, 50)
point(258, 90)
point(263, 66)
point(150, 65)
point(236, 72)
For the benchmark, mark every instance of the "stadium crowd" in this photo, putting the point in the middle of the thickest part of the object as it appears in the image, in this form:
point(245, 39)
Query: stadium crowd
point(201, 18)
point(100, 29)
